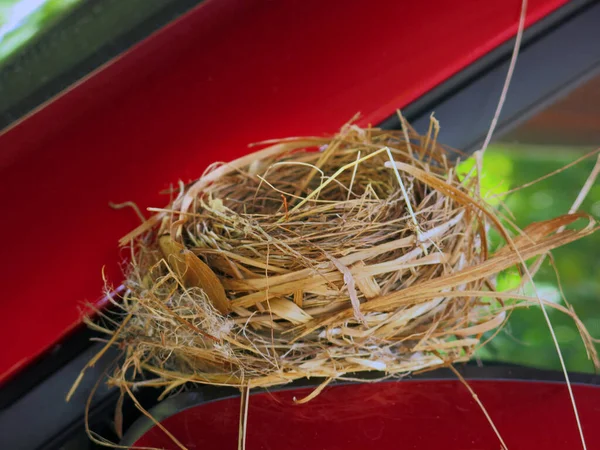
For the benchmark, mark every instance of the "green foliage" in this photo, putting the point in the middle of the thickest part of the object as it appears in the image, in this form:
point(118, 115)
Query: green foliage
point(496, 176)
point(526, 340)
point(21, 20)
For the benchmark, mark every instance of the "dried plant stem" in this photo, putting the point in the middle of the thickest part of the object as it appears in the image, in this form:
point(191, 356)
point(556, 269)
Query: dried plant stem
point(576, 204)
point(511, 68)
point(507, 80)
point(335, 175)
point(558, 350)
point(478, 157)
point(480, 404)
point(585, 190)
point(243, 429)
point(97, 356)
point(314, 393)
point(405, 195)
point(154, 421)
point(131, 205)
point(548, 175)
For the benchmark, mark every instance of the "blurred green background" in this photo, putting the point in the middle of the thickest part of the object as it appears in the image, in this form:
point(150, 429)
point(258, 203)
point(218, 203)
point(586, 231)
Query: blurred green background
point(22, 20)
point(526, 339)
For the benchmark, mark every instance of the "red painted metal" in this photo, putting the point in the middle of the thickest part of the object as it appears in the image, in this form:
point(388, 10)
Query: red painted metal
point(393, 415)
point(229, 73)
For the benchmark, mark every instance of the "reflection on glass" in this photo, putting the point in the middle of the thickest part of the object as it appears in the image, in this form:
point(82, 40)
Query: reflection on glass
point(21, 20)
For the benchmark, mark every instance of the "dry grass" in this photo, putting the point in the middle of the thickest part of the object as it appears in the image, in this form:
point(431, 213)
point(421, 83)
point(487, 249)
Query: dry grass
point(292, 263)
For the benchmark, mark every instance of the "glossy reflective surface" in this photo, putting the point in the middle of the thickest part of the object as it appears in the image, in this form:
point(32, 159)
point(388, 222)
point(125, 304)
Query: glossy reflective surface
point(393, 415)
point(229, 73)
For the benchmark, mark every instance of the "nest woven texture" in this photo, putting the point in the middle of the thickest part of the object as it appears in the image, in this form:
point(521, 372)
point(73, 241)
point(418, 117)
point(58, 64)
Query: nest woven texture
point(369, 253)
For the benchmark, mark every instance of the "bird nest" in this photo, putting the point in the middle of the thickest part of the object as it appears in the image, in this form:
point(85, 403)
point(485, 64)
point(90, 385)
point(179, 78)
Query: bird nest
point(320, 257)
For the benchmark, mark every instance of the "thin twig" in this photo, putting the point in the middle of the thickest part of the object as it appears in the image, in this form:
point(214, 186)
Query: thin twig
point(480, 404)
point(243, 429)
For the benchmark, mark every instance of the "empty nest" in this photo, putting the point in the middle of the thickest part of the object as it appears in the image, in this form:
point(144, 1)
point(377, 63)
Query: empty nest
point(321, 258)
